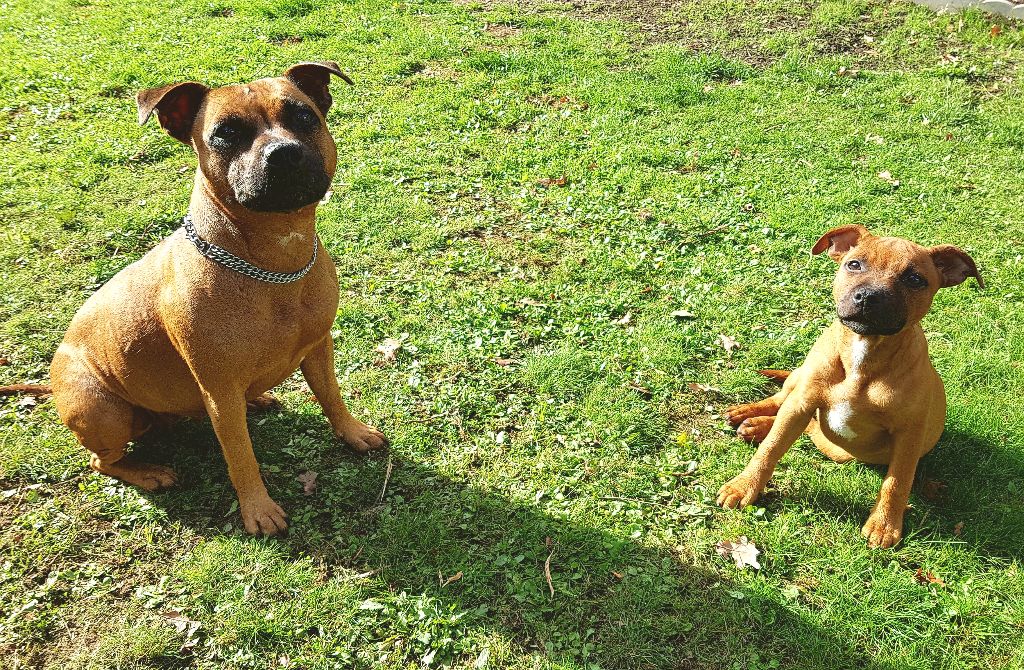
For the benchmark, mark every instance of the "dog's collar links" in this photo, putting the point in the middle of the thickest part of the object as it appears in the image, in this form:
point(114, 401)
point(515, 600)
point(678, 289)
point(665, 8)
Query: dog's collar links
point(232, 262)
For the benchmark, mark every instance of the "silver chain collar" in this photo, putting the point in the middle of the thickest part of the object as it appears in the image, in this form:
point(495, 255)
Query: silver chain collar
point(241, 266)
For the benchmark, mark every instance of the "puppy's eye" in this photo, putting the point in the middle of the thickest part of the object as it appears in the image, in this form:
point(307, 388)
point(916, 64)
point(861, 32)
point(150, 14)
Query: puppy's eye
point(227, 134)
point(854, 266)
point(914, 280)
point(305, 118)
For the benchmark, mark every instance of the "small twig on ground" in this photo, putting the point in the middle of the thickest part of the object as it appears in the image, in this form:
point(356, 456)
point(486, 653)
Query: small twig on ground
point(387, 478)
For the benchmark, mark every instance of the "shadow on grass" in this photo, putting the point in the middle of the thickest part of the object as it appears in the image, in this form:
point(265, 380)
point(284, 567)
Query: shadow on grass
point(617, 601)
point(964, 480)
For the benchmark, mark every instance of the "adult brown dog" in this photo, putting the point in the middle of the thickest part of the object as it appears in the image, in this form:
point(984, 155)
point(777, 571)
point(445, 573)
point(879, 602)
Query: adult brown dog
point(227, 307)
point(867, 390)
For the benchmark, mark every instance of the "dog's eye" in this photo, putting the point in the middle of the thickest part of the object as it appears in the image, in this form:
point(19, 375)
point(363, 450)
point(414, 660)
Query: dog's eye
point(914, 280)
point(854, 266)
point(305, 118)
point(227, 134)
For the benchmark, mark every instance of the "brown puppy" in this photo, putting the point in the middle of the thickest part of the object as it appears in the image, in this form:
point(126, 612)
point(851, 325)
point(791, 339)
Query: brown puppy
point(867, 390)
point(186, 330)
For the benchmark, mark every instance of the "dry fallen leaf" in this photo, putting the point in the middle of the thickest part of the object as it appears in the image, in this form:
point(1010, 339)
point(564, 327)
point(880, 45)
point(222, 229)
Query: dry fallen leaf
point(704, 388)
point(547, 564)
point(958, 529)
point(728, 343)
point(640, 388)
point(308, 481)
point(877, 139)
point(624, 320)
point(922, 577)
point(617, 575)
point(682, 314)
point(451, 580)
point(558, 181)
point(388, 349)
point(887, 176)
point(994, 32)
point(503, 362)
point(28, 401)
point(932, 489)
point(4, 361)
point(742, 552)
point(530, 302)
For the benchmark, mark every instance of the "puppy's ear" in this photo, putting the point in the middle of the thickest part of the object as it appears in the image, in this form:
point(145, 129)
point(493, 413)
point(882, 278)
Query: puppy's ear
point(839, 240)
point(176, 107)
point(313, 78)
point(954, 265)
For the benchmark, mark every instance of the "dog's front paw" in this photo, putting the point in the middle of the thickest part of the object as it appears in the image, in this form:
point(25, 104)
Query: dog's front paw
point(739, 492)
point(882, 530)
point(263, 516)
point(360, 437)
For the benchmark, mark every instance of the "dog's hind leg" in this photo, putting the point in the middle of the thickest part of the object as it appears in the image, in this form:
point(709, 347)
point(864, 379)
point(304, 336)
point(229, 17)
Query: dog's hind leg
point(104, 424)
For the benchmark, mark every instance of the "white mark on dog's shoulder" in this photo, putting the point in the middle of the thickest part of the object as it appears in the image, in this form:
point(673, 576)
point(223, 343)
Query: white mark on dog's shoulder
point(839, 420)
point(858, 353)
point(285, 240)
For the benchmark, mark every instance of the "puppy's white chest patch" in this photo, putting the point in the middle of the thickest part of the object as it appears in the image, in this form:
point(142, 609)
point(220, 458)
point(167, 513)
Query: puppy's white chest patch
point(838, 418)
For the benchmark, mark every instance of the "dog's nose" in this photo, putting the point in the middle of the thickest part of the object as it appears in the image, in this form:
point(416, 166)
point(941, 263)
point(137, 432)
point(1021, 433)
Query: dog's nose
point(283, 155)
point(864, 297)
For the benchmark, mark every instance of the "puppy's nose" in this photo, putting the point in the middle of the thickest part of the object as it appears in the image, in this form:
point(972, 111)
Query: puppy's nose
point(283, 155)
point(865, 296)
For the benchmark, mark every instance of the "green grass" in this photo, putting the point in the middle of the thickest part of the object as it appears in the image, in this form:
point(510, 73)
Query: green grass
point(702, 161)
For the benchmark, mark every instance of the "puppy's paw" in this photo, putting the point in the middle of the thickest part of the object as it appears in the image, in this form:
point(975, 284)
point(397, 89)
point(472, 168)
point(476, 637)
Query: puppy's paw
point(360, 437)
point(739, 492)
point(737, 414)
point(882, 531)
point(756, 428)
point(263, 516)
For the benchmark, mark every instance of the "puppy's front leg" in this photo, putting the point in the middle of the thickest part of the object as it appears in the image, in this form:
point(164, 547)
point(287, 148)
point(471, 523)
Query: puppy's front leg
point(884, 526)
point(792, 419)
point(318, 369)
point(260, 513)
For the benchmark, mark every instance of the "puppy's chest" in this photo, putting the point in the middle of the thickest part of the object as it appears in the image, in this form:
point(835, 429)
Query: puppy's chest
point(856, 409)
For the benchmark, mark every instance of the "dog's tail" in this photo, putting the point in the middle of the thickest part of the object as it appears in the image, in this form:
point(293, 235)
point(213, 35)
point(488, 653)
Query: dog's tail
point(775, 375)
point(38, 390)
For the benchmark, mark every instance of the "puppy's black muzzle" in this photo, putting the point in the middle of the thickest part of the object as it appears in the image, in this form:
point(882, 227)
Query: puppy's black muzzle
point(873, 310)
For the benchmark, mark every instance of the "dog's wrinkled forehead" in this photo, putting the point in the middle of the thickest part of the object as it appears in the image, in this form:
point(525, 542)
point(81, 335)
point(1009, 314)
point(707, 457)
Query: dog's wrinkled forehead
point(262, 100)
point(892, 255)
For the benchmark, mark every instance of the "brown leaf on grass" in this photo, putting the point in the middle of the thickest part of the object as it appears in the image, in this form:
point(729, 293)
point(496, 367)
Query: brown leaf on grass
point(4, 361)
point(958, 529)
point(308, 481)
point(547, 564)
point(548, 182)
point(617, 575)
point(994, 31)
point(641, 389)
point(388, 349)
point(728, 343)
point(503, 362)
point(704, 388)
point(741, 551)
point(451, 580)
point(184, 626)
point(933, 489)
point(923, 577)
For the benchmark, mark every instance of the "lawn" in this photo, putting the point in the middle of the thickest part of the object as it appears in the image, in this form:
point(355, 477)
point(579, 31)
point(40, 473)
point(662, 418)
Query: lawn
point(526, 194)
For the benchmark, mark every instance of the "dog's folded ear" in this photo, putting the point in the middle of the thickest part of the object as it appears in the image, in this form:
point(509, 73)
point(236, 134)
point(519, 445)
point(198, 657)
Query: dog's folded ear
point(954, 265)
point(176, 107)
point(840, 240)
point(313, 79)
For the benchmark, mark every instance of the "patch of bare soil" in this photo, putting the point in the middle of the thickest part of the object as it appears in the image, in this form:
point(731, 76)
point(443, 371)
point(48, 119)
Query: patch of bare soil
point(734, 30)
